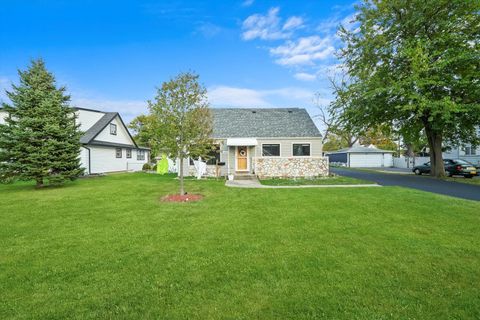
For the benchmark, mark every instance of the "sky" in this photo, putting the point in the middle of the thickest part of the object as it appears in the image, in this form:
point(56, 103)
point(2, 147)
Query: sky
point(112, 55)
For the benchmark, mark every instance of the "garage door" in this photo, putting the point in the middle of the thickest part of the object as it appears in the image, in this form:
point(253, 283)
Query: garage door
point(366, 160)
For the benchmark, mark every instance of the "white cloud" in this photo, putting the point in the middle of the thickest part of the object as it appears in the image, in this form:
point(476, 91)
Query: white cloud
point(247, 3)
point(350, 24)
point(231, 96)
point(226, 96)
point(269, 26)
point(304, 76)
point(293, 23)
point(307, 49)
point(303, 51)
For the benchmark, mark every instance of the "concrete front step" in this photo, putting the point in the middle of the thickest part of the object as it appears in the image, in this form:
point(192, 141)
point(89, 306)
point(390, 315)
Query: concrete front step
point(244, 177)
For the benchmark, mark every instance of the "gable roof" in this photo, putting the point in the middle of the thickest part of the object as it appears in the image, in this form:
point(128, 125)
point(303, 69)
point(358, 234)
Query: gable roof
point(360, 149)
point(101, 124)
point(262, 123)
point(94, 130)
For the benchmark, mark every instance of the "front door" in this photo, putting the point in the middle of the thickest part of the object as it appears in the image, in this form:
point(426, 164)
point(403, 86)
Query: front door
point(242, 159)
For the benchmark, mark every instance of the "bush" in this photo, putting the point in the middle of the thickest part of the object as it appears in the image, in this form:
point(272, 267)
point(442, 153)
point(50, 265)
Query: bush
point(154, 168)
point(146, 167)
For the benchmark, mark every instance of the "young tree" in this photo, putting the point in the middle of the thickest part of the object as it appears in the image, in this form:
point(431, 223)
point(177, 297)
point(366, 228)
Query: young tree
point(40, 140)
point(181, 121)
point(415, 64)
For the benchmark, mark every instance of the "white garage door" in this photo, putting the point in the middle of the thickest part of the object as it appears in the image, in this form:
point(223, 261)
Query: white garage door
point(366, 160)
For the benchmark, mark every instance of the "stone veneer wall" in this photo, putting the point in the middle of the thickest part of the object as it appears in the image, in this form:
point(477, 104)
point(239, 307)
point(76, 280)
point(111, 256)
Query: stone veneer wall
point(291, 167)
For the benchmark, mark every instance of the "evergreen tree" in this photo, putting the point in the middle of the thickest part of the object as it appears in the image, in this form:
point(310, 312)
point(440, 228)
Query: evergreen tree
point(40, 140)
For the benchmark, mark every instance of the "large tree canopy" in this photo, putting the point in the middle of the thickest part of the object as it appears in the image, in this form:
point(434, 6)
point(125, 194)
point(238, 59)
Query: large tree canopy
point(413, 65)
point(40, 139)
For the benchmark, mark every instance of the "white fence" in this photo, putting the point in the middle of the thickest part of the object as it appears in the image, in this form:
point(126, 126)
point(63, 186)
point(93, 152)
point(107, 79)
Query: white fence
point(409, 162)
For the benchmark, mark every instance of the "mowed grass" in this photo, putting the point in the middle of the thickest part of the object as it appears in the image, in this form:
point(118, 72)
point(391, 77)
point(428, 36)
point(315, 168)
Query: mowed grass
point(333, 180)
point(106, 248)
point(474, 180)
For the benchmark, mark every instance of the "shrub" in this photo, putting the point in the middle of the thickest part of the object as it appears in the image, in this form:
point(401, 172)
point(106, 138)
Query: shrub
point(154, 168)
point(146, 167)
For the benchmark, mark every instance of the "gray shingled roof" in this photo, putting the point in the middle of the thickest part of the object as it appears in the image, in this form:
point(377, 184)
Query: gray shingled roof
point(98, 127)
point(361, 149)
point(262, 122)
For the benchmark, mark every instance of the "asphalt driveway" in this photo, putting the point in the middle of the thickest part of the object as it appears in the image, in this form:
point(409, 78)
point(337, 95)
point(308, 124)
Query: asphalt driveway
point(424, 183)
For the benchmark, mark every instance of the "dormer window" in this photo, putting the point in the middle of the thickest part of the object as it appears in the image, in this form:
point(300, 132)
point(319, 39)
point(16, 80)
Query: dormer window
point(113, 129)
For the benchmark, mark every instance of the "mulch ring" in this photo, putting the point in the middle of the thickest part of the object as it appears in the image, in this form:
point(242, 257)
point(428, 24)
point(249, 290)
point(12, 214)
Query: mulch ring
point(180, 198)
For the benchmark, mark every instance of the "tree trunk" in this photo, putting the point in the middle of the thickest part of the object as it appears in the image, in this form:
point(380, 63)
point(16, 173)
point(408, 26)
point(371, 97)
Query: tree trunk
point(182, 191)
point(410, 153)
point(39, 183)
point(436, 159)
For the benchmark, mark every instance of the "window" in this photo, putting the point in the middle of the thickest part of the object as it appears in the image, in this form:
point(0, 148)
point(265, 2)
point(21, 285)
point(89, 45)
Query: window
point(129, 153)
point(140, 154)
point(301, 149)
point(470, 151)
point(118, 152)
point(113, 129)
point(270, 150)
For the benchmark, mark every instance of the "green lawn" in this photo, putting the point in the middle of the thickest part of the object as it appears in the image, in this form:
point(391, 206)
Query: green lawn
point(107, 248)
point(474, 180)
point(317, 181)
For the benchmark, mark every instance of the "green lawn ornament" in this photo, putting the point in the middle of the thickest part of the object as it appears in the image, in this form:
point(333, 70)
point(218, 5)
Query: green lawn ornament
point(162, 165)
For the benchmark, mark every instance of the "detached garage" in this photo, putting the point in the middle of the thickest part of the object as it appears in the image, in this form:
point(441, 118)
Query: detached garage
point(362, 157)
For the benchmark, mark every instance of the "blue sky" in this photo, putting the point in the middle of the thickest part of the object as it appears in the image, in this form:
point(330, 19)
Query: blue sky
point(112, 54)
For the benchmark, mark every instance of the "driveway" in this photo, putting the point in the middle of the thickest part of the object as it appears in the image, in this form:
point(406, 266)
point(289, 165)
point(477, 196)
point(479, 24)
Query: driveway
point(424, 183)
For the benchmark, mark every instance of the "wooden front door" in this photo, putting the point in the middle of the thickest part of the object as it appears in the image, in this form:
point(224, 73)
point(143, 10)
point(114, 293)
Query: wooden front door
point(242, 159)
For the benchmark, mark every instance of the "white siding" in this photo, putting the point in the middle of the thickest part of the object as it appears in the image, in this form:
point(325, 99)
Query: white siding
point(388, 160)
point(370, 160)
point(122, 135)
point(3, 115)
point(103, 159)
point(88, 118)
point(84, 159)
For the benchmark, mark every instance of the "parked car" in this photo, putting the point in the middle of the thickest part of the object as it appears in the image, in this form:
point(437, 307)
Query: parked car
point(452, 168)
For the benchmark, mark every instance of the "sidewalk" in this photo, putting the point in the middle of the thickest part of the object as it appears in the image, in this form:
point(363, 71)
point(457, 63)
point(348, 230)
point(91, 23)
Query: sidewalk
point(391, 170)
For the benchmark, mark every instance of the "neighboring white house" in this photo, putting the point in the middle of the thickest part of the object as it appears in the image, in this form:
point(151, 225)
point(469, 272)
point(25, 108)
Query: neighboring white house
point(465, 152)
point(362, 157)
point(107, 145)
point(3, 115)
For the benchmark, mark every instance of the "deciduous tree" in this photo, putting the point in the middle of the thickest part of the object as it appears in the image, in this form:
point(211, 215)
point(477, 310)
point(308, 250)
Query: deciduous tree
point(414, 64)
point(181, 120)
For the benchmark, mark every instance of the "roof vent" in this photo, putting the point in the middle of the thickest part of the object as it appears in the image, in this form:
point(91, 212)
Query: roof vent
point(253, 111)
point(290, 111)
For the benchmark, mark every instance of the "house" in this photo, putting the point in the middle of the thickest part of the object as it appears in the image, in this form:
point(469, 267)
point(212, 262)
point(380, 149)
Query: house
point(107, 145)
point(358, 156)
point(465, 152)
point(3, 116)
point(281, 142)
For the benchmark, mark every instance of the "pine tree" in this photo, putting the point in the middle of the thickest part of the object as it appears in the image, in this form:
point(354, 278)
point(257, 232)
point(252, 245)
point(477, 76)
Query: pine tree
point(40, 140)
